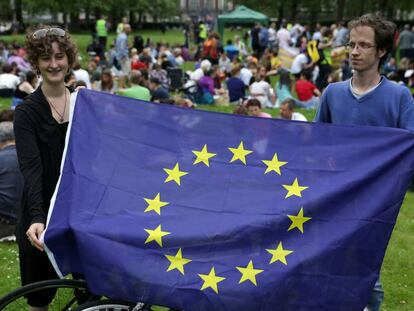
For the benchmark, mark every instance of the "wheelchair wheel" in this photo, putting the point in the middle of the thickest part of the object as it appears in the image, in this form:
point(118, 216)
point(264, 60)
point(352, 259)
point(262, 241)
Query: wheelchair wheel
point(111, 305)
point(69, 294)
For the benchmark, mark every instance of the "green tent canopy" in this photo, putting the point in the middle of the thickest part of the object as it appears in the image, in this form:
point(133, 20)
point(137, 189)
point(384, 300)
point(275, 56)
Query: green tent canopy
point(241, 14)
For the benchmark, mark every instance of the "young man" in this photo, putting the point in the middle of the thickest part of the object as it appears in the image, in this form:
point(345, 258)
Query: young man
point(368, 98)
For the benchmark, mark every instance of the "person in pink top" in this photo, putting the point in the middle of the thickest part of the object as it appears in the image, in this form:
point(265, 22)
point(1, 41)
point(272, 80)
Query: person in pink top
point(255, 109)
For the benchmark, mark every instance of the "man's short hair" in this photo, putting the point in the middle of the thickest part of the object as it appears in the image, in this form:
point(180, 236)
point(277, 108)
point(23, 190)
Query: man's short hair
point(384, 31)
point(235, 71)
point(289, 102)
point(307, 74)
point(135, 76)
point(6, 131)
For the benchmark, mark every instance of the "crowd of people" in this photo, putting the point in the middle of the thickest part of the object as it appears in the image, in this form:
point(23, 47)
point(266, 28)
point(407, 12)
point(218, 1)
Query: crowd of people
point(41, 76)
point(225, 73)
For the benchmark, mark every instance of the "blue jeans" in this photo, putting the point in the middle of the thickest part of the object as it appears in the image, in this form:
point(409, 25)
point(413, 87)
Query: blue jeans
point(312, 103)
point(377, 297)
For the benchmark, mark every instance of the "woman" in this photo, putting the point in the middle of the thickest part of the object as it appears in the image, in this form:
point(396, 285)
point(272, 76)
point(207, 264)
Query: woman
point(25, 88)
point(206, 85)
point(262, 91)
point(106, 84)
point(40, 125)
point(254, 108)
point(283, 87)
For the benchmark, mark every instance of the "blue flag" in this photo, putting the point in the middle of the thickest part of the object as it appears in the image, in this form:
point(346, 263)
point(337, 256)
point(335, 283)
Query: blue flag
point(207, 211)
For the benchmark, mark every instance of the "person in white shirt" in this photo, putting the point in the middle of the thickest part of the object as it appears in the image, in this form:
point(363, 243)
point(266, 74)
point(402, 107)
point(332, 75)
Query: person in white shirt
point(197, 74)
point(300, 63)
point(287, 111)
point(81, 75)
point(178, 57)
point(8, 81)
point(283, 37)
point(246, 74)
point(317, 34)
point(262, 91)
point(272, 35)
point(224, 63)
point(285, 42)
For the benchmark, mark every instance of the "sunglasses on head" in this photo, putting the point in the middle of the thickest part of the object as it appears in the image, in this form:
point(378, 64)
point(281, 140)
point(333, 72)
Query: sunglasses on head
point(41, 33)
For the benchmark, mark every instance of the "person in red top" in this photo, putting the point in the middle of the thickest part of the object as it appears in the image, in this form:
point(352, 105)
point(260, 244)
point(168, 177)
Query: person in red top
point(308, 94)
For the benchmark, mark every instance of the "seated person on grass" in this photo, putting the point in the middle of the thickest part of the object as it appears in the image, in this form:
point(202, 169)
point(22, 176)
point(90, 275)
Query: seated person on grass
point(255, 109)
point(287, 108)
point(136, 90)
point(307, 92)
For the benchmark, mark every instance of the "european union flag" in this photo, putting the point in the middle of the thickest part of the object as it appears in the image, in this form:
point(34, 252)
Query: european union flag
point(206, 211)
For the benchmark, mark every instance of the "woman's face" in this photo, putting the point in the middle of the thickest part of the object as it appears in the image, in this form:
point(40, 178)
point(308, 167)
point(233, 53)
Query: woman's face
point(254, 111)
point(54, 66)
point(105, 77)
point(262, 72)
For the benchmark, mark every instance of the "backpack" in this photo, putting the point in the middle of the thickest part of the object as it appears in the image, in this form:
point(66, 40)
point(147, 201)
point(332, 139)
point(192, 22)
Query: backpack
point(313, 51)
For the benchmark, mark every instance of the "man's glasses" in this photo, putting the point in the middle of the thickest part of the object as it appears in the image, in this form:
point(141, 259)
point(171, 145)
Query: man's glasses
point(359, 45)
point(41, 33)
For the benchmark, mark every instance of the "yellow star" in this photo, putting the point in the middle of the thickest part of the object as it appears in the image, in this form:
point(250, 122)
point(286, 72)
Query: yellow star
point(279, 254)
point(274, 165)
point(211, 280)
point(155, 204)
point(239, 153)
point(174, 174)
point(203, 156)
point(298, 221)
point(294, 189)
point(249, 273)
point(156, 235)
point(177, 262)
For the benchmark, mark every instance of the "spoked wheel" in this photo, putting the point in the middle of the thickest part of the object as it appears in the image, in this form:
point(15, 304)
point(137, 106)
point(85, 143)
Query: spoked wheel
point(112, 305)
point(69, 295)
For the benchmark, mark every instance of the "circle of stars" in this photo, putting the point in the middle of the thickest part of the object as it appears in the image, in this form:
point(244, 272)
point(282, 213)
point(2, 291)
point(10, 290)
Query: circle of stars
point(249, 272)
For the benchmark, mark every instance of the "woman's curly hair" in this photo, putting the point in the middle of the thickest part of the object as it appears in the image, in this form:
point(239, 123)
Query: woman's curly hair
point(39, 46)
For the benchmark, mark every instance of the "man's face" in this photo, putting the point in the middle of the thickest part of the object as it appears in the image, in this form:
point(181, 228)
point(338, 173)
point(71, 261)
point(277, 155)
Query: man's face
point(364, 55)
point(285, 113)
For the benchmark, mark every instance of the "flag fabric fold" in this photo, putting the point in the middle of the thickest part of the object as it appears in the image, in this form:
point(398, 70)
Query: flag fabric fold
point(199, 210)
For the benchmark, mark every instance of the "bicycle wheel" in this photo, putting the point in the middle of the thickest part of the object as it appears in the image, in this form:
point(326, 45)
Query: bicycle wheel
point(111, 305)
point(68, 292)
